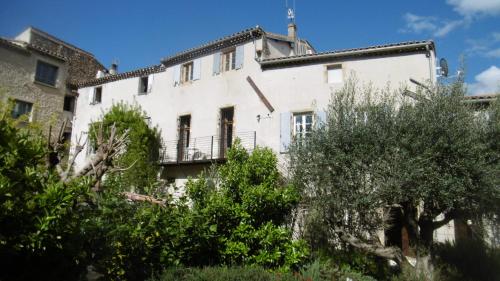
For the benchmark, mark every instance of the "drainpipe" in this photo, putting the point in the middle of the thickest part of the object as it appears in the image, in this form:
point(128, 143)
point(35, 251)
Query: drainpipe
point(431, 68)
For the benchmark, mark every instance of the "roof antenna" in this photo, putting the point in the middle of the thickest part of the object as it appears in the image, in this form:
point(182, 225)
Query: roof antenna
point(290, 12)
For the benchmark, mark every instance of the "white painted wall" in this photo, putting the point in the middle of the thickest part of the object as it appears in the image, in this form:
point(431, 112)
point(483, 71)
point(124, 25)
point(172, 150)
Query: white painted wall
point(289, 89)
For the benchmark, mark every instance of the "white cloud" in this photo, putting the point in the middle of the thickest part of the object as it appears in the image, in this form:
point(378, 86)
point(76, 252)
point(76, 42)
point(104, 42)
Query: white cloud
point(469, 8)
point(494, 53)
point(485, 47)
point(447, 28)
point(430, 25)
point(419, 24)
point(486, 82)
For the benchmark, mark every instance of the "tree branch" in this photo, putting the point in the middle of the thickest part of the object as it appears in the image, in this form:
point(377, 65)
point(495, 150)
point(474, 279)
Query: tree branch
point(143, 198)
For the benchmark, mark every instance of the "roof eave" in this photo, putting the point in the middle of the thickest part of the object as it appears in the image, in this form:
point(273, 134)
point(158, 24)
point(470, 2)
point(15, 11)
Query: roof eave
point(417, 47)
point(237, 38)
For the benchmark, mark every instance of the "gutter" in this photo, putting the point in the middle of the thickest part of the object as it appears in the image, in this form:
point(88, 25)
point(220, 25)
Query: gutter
point(363, 52)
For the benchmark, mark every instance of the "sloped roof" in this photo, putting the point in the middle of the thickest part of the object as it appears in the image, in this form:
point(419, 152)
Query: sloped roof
point(226, 41)
point(403, 47)
point(120, 76)
point(26, 47)
point(57, 40)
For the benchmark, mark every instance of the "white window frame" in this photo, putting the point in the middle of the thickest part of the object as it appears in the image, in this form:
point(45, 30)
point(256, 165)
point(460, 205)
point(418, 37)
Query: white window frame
point(142, 86)
point(29, 114)
point(187, 72)
point(228, 60)
point(94, 100)
point(300, 129)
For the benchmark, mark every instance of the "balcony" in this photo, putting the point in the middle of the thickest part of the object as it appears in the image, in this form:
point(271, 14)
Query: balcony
point(203, 149)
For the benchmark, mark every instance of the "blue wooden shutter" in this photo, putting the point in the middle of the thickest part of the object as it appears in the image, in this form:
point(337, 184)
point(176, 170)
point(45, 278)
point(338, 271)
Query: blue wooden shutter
point(320, 119)
point(285, 134)
point(216, 66)
point(239, 56)
point(197, 69)
point(91, 95)
point(177, 74)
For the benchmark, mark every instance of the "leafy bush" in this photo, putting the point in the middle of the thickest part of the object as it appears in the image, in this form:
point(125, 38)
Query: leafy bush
point(139, 161)
point(243, 207)
point(39, 215)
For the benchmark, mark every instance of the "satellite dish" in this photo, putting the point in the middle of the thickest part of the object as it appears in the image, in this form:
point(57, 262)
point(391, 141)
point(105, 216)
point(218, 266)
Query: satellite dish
point(443, 65)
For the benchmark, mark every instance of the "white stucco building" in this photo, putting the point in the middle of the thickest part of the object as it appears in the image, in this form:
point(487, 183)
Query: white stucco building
point(261, 87)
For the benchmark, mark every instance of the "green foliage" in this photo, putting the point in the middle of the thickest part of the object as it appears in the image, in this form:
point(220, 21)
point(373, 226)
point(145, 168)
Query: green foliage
point(39, 214)
point(436, 155)
point(141, 156)
point(243, 206)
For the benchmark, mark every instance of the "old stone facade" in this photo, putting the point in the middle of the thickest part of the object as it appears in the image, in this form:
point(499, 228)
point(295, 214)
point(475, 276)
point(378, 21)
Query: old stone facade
point(38, 73)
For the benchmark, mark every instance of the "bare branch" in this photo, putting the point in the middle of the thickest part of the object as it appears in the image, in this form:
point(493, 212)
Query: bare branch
point(143, 198)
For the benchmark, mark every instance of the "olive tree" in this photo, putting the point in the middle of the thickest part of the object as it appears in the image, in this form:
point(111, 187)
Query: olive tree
point(431, 159)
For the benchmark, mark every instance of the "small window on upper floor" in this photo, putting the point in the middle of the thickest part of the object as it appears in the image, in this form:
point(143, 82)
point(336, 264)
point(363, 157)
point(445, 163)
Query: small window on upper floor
point(335, 74)
point(97, 97)
point(46, 73)
point(144, 85)
point(69, 103)
point(21, 108)
point(228, 60)
point(187, 72)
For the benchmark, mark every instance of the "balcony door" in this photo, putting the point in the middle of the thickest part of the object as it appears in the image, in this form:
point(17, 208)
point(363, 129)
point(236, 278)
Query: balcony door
point(184, 134)
point(226, 130)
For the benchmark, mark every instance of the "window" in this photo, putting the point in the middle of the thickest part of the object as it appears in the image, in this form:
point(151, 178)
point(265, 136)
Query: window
point(334, 74)
point(187, 72)
point(21, 108)
point(229, 60)
point(97, 95)
point(46, 73)
point(69, 103)
point(302, 124)
point(67, 137)
point(143, 85)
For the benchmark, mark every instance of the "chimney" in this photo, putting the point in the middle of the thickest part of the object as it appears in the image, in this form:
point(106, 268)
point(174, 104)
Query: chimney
point(292, 31)
point(114, 69)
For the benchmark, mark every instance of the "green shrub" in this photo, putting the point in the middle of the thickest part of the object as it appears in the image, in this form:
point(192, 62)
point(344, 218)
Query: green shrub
point(242, 208)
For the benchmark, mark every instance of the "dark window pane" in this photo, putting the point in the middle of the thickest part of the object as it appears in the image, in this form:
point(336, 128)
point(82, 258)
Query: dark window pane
point(69, 103)
point(143, 84)
point(21, 108)
point(46, 73)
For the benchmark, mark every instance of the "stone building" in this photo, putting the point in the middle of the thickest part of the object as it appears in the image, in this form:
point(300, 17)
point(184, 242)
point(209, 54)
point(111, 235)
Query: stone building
point(39, 73)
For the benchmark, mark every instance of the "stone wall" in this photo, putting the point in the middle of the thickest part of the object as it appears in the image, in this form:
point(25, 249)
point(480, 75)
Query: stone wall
point(81, 65)
point(17, 81)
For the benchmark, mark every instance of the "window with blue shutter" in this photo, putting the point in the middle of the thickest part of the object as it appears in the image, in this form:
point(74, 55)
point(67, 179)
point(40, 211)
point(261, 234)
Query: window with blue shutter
point(176, 70)
point(320, 118)
point(285, 134)
point(216, 66)
point(239, 56)
point(197, 69)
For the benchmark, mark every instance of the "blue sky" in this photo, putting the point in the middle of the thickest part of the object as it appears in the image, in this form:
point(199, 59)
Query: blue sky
point(139, 33)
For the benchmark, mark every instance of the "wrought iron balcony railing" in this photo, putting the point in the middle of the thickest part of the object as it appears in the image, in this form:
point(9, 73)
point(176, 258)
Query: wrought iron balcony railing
point(203, 149)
